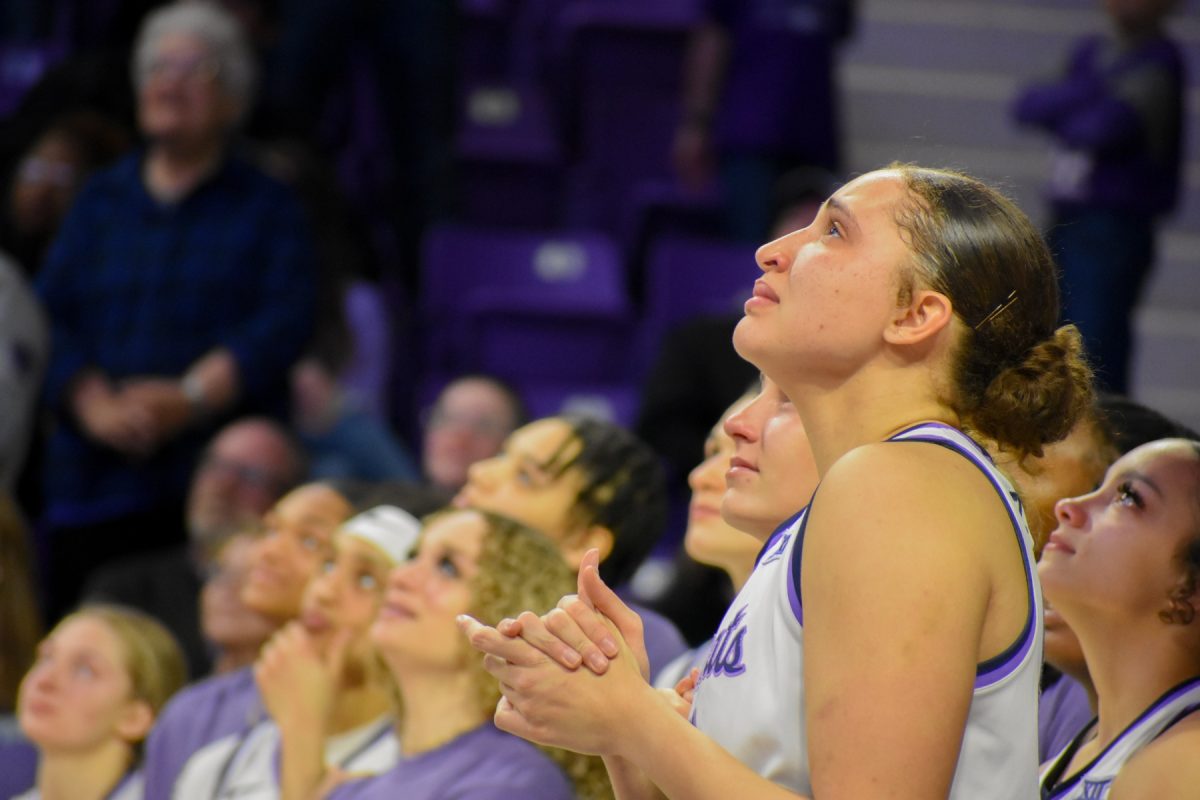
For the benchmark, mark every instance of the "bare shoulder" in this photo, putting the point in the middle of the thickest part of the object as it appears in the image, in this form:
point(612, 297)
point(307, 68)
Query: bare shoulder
point(917, 484)
point(1165, 769)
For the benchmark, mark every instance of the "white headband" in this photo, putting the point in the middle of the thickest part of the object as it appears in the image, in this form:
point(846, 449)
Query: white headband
point(393, 530)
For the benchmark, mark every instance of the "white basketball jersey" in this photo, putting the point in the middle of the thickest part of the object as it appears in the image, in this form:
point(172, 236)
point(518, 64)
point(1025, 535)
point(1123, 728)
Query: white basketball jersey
point(1095, 779)
point(750, 698)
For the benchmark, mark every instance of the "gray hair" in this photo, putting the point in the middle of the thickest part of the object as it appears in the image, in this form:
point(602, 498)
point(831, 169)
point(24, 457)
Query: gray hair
point(221, 33)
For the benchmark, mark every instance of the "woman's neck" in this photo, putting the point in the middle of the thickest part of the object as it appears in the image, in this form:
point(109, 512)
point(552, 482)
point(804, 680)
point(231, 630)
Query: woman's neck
point(356, 706)
point(863, 410)
point(171, 171)
point(1130, 666)
point(437, 709)
point(83, 776)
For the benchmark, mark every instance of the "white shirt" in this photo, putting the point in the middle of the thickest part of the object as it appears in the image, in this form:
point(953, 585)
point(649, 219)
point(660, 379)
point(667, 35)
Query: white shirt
point(750, 698)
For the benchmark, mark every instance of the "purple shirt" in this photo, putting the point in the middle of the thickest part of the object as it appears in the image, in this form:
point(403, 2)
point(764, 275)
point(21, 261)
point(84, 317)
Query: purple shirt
point(1063, 711)
point(18, 766)
point(664, 642)
point(483, 764)
point(198, 715)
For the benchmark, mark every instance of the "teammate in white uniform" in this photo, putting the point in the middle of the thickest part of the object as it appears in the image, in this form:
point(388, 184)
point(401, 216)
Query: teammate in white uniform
point(917, 296)
point(757, 470)
point(1122, 570)
point(761, 643)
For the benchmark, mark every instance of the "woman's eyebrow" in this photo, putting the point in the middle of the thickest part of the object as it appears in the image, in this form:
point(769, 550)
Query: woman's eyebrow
point(843, 210)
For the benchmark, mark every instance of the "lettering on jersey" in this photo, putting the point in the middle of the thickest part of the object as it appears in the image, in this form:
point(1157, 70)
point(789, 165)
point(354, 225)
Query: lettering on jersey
point(1096, 790)
point(777, 552)
point(725, 658)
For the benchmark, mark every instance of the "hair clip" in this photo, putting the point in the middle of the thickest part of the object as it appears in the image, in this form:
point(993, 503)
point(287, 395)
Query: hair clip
point(998, 310)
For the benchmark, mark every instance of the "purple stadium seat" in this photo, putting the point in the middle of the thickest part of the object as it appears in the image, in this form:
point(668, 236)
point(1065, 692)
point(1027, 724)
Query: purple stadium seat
point(687, 277)
point(614, 402)
point(524, 305)
point(20, 68)
point(620, 84)
point(509, 157)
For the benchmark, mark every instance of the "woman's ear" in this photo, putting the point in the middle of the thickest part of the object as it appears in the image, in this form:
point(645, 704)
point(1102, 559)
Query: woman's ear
point(576, 544)
point(921, 319)
point(136, 721)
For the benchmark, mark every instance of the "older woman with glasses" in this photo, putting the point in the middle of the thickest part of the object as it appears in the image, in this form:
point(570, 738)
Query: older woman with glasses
point(180, 290)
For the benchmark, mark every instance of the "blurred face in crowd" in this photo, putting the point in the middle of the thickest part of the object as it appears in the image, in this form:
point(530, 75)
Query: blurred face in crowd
point(346, 594)
point(469, 422)
point(297, 540)
point(416, 626)
point(224, 618)
point(180, 98)
point(44, 185)
point(239, 476)
point(709, 539)
point(78, 695)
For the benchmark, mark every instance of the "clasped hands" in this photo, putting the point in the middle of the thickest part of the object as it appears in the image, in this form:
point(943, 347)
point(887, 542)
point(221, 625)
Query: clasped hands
point(576, 676)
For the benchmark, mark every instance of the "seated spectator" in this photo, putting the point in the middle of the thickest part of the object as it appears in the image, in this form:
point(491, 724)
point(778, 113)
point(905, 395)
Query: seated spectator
point(243, 471)
point(1121, 569)
point(585, 484)
point(339, 606)
point(24, 353)
point(180, 290)
point(467, 562)
point(48, 175)
point(757, 473)
point(469, 421)
point(235, 632)
point(296, 541)
point(99, 681)
point(21, 623)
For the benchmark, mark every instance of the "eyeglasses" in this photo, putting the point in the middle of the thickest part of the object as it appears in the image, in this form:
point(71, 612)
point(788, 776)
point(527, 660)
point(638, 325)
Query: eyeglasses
point(193, 69)
point(251, 476)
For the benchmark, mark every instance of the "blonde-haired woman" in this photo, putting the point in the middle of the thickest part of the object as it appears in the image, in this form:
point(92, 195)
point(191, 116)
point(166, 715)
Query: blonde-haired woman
point(468, 562)
point(91, 697)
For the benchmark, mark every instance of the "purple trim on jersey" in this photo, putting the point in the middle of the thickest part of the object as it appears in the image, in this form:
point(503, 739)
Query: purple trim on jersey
point(793, 573)
point(773, 539)
point(998, 667)
point(1168, 697)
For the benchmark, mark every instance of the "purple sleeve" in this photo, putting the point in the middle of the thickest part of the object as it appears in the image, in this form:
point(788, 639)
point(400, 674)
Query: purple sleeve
point(664, 642)
point(1062, 713)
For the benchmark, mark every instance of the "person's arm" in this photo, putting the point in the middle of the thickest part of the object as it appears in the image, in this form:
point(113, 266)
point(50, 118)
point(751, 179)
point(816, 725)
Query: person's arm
point(703, 77)
point(1165, 769)
point(297, 686)
point(896, 593)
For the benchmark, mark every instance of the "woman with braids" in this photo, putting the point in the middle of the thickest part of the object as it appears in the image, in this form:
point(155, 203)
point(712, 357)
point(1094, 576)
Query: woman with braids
point(888, 642)
point(1122, 569)
point(584, 483)
point(467, 562)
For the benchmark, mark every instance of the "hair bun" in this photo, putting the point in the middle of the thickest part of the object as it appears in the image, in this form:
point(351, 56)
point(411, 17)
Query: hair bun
point(1039, 399)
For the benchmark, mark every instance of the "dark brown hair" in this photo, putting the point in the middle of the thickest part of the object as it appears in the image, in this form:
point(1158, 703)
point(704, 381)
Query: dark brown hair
point(1017, 378)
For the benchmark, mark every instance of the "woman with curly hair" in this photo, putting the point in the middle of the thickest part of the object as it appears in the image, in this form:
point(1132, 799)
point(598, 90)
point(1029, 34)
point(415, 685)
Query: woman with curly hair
point(888, 642)
point(99, 680)
point(1122, 570)
point(467, 562)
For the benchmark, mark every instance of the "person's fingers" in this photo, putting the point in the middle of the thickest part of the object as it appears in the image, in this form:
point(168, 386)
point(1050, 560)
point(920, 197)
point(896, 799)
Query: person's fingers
point(490, 641)
point(559, 636)
point(509, 627)
point(606, 601)
point(590, 623)
point(590, 559)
